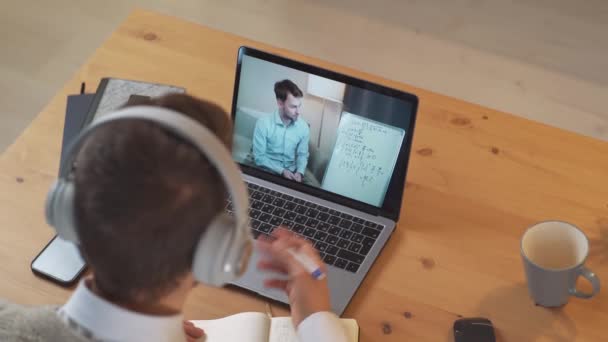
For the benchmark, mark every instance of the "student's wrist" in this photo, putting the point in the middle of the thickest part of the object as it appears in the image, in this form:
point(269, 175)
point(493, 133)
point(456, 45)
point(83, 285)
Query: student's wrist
point(316, 319)
point(313, 299)
point(321, 326)
point(303, 316)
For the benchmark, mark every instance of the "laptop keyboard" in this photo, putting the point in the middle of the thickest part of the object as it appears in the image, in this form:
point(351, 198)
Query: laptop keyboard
point(342, 240)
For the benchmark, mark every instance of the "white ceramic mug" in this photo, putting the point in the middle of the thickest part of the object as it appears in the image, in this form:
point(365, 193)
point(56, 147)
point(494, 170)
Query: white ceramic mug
point(554, 254)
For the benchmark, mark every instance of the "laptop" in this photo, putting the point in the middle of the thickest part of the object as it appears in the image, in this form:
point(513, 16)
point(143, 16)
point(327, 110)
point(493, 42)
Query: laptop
point(324, 155)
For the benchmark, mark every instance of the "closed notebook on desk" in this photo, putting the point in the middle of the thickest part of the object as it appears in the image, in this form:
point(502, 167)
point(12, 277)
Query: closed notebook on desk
point(75, 115)
point(113, 93)
point(258, 327)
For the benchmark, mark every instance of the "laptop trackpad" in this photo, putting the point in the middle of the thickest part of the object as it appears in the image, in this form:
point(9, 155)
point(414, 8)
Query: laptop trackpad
point(253, 280)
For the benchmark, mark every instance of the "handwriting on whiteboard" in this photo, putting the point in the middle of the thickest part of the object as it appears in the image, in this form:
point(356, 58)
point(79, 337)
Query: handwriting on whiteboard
point(360, 159)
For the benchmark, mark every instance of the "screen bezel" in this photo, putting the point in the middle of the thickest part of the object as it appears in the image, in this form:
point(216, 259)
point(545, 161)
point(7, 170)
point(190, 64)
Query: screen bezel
point(391, 206)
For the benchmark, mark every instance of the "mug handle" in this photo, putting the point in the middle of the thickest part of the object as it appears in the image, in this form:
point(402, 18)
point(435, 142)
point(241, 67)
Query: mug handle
point(593, 279)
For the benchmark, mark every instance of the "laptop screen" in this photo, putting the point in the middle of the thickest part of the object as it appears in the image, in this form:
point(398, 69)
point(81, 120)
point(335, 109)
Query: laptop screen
point(317, 131)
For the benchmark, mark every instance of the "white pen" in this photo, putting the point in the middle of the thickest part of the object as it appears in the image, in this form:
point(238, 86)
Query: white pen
point(310, 265)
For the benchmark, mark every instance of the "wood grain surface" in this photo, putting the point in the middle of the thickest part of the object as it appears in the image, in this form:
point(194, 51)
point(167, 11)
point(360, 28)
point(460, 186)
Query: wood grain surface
point(477, 179)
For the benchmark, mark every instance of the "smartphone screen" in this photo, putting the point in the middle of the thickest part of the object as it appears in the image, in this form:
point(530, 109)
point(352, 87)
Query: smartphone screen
point(60, 261)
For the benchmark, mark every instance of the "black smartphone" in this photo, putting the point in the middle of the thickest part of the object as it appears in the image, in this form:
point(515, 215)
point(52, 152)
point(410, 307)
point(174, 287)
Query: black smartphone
point(60, 262)
point(476, 329)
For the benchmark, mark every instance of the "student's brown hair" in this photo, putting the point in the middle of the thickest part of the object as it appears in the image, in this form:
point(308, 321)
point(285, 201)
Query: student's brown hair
point(285, 87)
point(143, 198)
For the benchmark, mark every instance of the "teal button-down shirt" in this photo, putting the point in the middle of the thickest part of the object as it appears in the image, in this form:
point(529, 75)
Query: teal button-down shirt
point(278, 147)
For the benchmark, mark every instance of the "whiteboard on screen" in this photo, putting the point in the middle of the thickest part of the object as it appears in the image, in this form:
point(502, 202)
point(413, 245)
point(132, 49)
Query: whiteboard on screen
point(363, 159)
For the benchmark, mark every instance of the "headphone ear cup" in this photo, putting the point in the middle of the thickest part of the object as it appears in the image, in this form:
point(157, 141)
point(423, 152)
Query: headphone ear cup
point(59, 210)
point(213, 259)
point(50, 203)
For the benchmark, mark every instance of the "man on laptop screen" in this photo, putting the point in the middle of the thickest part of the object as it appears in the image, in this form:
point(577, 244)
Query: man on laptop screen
point(280, 140)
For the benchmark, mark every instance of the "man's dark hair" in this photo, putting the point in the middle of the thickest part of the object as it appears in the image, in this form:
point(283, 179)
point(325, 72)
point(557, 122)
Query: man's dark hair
point(285, 87)
point(143, 199)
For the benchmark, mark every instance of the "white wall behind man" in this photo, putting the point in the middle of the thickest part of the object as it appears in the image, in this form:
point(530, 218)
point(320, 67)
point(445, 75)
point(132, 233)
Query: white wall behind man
point(258, 77)
point(256, 91)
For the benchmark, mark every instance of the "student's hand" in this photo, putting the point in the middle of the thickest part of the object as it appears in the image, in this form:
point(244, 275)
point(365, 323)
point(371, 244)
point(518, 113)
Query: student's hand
point(288, 174)
point(306, 294)
point(297, 177)
point(192, 332)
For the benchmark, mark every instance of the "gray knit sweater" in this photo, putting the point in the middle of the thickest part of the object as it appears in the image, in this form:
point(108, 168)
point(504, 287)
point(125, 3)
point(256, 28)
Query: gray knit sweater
point(22, 323)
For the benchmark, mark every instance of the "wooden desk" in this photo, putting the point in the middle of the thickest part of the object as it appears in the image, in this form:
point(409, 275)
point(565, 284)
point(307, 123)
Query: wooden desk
point(477, 179)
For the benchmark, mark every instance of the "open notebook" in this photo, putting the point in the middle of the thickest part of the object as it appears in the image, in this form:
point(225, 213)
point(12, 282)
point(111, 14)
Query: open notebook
point(258, 327)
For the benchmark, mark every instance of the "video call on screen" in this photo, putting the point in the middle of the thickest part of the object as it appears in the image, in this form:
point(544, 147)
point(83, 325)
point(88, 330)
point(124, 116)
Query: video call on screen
point(329, 135)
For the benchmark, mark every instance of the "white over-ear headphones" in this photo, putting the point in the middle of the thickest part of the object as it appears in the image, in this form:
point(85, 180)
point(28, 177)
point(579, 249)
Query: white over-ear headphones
point(223, 251)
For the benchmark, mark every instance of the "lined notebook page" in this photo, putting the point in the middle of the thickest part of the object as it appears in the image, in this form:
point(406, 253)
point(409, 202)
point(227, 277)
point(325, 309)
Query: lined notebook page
point(282, 330)
point(247, 326)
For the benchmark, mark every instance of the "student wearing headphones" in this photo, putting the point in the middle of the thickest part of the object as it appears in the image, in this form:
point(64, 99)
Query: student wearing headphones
point(143, 193)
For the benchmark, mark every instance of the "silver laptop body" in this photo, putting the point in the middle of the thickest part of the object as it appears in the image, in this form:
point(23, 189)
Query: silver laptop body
point(343, 283)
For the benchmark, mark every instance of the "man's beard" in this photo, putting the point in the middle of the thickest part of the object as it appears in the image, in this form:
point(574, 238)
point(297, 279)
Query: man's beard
point(291, 120)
